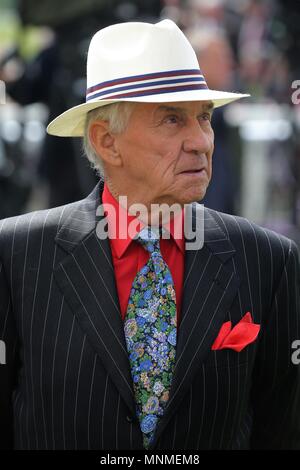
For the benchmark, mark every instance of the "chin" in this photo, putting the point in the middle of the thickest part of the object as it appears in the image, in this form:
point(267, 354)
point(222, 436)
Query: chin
point(194, 195)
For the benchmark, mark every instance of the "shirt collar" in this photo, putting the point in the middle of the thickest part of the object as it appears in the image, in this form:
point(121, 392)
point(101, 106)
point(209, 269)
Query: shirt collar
point(116, 213)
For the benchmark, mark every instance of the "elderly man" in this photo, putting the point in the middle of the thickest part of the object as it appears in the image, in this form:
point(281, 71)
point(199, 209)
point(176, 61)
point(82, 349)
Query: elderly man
point(119, 331)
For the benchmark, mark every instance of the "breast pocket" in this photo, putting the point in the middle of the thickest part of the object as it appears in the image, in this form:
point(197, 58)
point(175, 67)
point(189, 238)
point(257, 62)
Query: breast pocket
point(230, 358)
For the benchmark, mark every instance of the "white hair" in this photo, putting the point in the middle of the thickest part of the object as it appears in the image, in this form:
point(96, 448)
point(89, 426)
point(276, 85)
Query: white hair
point(117, 115)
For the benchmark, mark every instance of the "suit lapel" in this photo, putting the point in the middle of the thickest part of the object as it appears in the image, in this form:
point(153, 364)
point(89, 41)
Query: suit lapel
point(86, 278)
point(209, 289)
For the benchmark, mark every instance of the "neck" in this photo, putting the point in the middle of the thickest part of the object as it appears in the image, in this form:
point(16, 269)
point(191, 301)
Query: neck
point(150, 211)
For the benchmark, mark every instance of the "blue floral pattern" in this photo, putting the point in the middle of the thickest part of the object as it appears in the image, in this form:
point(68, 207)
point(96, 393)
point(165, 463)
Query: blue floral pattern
point(150, 330)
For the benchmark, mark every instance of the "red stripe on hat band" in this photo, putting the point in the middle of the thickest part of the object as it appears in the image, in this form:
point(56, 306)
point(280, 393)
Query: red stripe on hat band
point(148, 85)
point(148, 76)
point(154, 91)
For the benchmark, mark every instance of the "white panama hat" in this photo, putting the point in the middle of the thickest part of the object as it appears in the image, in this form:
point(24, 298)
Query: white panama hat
point(139, 62)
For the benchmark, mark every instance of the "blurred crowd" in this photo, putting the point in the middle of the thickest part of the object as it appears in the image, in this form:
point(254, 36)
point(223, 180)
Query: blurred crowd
point(242, 45)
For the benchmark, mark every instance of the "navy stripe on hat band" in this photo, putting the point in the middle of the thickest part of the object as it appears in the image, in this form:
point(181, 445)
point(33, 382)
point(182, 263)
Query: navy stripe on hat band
point(147, 76)
point(154, 91)
point(146, 85)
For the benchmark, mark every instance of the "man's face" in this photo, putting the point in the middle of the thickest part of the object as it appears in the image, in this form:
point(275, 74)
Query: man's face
point(167, 151)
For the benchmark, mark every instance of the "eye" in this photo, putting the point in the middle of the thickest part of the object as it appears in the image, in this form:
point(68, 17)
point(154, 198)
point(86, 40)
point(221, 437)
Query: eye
point(205, 117)
point(172, 119)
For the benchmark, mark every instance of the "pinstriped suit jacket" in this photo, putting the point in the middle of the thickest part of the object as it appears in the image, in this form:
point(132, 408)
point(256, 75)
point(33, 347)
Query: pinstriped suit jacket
point(67, 383)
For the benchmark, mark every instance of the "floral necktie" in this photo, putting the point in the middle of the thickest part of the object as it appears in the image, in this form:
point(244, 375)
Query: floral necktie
point(150, 331)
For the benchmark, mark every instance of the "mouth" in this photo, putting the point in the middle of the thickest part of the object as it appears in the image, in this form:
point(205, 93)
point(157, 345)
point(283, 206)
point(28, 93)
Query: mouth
point(196, 172)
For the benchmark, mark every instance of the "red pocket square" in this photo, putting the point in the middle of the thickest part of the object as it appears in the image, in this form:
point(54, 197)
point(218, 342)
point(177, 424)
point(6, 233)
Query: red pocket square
point(238, 337)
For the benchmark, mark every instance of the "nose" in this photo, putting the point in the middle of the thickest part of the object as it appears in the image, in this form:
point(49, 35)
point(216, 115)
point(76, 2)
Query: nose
point(197, 140)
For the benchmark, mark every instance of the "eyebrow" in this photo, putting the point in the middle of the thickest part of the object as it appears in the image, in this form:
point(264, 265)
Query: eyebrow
point(209, 107)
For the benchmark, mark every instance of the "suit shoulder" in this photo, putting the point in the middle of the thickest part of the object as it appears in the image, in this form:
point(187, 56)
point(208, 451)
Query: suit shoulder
point(18, 227)
point(242, 231)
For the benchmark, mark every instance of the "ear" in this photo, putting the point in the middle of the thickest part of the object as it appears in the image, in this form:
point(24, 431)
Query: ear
point(104, 142)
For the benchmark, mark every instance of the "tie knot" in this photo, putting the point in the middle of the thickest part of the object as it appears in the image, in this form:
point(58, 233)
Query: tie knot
point(149, 238)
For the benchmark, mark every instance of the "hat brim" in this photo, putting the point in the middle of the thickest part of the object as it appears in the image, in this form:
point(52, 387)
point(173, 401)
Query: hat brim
point(71, 123)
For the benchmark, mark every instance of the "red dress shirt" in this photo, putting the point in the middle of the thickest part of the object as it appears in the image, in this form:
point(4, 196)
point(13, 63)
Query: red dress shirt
point(129, 256)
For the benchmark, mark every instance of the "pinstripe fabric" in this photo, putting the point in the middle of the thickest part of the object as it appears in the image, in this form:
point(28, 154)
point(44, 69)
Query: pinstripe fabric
point(67, 382)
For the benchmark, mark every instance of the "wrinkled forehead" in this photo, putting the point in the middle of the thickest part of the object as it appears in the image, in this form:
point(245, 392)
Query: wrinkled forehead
point(184, 107)
point(193, 107)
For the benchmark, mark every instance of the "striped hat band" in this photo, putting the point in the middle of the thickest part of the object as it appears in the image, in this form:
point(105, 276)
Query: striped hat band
point(148, 84)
